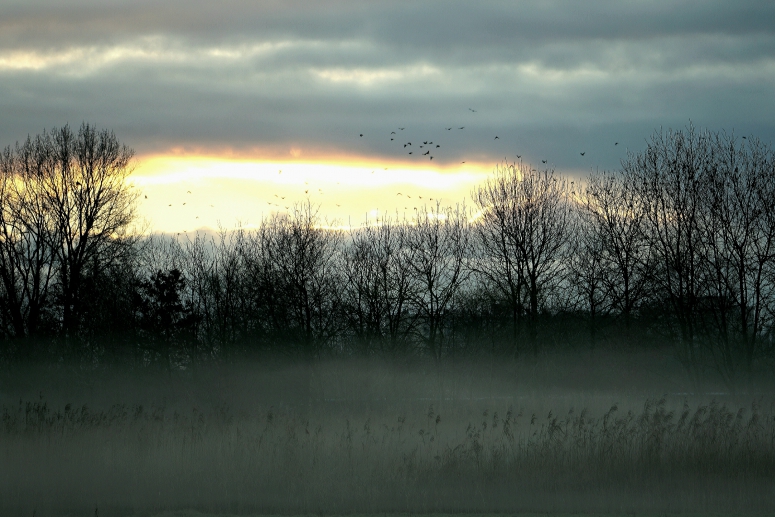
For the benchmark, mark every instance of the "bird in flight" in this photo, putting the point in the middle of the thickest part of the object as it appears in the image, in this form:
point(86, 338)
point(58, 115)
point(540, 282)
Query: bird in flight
point(431, 157)
point(543, 161)
point(437, 145)
point(401, 128)
point(582, 154)
point(463, 127)
point(472, 110)
point(519, 156)
point(448, 128)
point(616, 143)
point(392, 132)
point(410, 152)
point(391, 139)
point(496, 138)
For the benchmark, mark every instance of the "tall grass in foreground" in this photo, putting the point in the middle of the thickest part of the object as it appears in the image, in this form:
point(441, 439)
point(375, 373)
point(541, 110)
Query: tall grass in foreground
point(129, 459)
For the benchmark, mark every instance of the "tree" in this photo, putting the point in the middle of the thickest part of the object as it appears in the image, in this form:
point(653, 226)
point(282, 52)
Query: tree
point(302, 258)
point(526, 219)
point(66, 206)
point(618, 217)
point(375, 264)
point(26, 247)
point(438, 245)
point(165, 323)
point(84, 185)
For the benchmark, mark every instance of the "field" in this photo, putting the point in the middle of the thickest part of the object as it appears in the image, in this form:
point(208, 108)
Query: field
point(616, 433)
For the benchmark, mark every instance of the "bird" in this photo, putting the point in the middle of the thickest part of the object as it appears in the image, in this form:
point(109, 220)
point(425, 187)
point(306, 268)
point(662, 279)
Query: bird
point(616, 143)
point(170, 204)
point(146, 197)
point(404, 145)
point(519, 156)
point(582, 154)
point(184, 204)
point(361, 134)
point(431, 157)
point(543, 161)
point(391, 139)
point(496, 138)
point(744, 138)
point(306, 191)
point(462, 127)
point(401, 128)
point(410, 152)
point(392, 132)
point(462, 162)
point(473, 110)
point(399, 194)
point(426, 143)
point(437, 145)
point(188, 192)
point(409, 143)
point(448, 128)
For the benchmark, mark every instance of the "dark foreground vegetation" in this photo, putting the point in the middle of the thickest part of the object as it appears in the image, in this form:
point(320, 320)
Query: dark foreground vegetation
point(587, 432)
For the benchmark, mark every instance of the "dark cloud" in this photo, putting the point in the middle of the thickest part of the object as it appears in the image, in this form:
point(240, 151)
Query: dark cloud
point(549, 78)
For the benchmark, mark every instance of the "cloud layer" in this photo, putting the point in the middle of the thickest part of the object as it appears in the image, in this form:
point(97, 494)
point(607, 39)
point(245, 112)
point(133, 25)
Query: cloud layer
point(550, 79)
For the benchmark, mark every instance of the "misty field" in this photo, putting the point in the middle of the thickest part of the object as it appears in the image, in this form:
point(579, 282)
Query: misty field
point(568, 433)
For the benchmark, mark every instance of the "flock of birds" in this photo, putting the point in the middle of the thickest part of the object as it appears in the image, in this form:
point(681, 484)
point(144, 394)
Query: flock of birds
point(419, 148)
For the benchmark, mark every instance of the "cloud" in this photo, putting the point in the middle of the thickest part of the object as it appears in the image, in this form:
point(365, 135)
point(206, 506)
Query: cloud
point(548, 78)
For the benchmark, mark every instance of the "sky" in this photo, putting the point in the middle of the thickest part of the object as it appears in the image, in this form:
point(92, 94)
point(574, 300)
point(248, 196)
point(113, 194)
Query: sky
point(240, 109)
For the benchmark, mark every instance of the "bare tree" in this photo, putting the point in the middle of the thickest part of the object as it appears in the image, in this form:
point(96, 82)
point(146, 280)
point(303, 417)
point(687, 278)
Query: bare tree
point(498, 258)
point(587, 273)
point(738, 243)
point(526, 219)
point(438, 244)
point(616, 211)
point(302, 255)
point(83, 184)
point(26, 251)
point(375, 263)
point(669, 177)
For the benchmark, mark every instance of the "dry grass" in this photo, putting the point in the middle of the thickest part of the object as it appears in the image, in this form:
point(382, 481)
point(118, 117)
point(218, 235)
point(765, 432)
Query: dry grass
point(459, 453)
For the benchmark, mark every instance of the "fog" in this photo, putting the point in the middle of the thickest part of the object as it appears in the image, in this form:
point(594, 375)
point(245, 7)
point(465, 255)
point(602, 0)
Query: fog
point(564, 432)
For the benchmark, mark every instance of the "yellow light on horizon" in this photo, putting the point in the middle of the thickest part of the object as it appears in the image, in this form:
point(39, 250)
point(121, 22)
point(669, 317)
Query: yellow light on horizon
point(190, 192)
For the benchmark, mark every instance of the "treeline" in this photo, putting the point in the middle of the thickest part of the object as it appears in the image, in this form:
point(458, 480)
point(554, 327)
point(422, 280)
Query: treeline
point(674, 249)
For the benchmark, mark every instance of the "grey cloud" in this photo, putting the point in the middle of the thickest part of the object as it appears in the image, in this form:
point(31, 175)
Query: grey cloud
point(549, 78)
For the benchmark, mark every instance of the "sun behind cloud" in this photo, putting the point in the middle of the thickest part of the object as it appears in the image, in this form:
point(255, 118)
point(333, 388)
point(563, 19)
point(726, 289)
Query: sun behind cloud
point(183, 193)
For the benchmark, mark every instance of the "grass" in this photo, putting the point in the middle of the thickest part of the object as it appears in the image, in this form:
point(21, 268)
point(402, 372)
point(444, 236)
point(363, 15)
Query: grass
point(558, 451)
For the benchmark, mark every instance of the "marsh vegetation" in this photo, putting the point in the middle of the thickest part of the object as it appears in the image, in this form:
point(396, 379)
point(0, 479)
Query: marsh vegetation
point(562, 433)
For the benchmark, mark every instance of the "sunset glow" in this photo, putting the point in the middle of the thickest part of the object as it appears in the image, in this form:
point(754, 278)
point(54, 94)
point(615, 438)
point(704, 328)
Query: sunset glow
point(186, 193)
